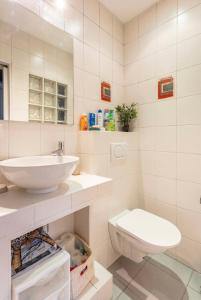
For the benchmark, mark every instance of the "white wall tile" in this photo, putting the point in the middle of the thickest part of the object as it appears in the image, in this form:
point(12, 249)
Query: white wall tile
point(167, 211)
point(166, 9)
point(147, 67)
point(78, 54)
point(36, 47)
point(131, 92)
point(186, 4)
point(117, 73)
point(189, 81)
point(166, 164)
point(20, 40)
point(187, 222)
point(31, 5)
point(131, 31)
point(91, 33)
point(131, 73)
point(24, 139)
point(118, 52)
point(188, 195)
point(117, 29)
point(147, 114)
point(5, 53)
point(105, 68)
point(19, 79)
point(148, 162)
point(147, 138)
point(147, 44)
point(149, 183)
point(52, 15)
point(105, 43)
point(147, 91)
point(188, 141)
point(166, 61)
point(18, 105)
point(166, 112)
point(147, 20)
point(167, 34)
point(189, 110)
point(79, 82)
point(131, 52)
point(91, 86)
point(74, 23)
point(91, 10)
point(36, 65)
point(166, 190)
point(91, 60)
point(166, 138)
point(106, 19)
point(188, 52)
point(191, 17)
point(3, 140)
point(189, 167)
point(77, 4)
point(49, 142)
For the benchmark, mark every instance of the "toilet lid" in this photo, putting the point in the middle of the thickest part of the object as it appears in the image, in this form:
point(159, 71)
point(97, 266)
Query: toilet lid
point(149, 228)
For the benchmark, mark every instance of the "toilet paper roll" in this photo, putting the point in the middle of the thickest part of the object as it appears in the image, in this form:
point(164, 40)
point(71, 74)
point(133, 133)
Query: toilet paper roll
point(68, 242)
point(76, 257)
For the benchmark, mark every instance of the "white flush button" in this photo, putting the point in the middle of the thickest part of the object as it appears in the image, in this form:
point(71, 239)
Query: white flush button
point(118, 150)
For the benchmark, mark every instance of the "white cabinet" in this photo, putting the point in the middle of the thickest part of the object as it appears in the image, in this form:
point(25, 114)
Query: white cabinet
point(49, 280)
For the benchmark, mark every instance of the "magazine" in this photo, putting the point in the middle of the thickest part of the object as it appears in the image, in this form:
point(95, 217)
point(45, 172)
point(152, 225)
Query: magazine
point(31, 248)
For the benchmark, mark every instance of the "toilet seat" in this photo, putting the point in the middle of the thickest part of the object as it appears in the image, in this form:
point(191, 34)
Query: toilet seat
point(149, 228)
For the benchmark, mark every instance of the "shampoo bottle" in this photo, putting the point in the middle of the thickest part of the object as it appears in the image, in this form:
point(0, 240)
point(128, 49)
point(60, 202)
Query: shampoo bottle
point(100, 118)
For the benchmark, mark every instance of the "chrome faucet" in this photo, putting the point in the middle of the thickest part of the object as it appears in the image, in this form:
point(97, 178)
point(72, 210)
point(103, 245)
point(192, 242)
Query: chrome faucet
point(60, 150)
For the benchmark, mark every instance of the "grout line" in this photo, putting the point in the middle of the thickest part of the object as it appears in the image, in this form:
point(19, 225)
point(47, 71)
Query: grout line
point(190, 278)
point(169, 273)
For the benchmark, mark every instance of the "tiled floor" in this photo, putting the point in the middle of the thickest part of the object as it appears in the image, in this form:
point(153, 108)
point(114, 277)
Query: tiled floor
point(159, 277)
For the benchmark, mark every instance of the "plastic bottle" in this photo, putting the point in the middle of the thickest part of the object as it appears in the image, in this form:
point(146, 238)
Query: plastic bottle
point(100, 118)
point(92, 119)
point(83, 122)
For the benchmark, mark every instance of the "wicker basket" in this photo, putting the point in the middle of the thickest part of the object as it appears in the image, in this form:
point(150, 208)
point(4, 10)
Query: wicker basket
point(83, 274)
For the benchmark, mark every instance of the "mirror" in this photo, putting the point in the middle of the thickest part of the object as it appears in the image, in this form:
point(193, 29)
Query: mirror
point(36, 68)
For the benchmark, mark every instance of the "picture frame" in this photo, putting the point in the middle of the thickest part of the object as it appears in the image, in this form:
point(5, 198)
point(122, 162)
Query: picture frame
point(106, 91)
point(165, 88)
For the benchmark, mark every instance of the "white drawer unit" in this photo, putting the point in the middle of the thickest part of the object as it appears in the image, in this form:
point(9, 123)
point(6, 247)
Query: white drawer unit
point(48, 280)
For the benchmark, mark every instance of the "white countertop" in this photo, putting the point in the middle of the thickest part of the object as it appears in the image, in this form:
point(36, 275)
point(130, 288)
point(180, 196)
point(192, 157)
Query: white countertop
point(20, 211)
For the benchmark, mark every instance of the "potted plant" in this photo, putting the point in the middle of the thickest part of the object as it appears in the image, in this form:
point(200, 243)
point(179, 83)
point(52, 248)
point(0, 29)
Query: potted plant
point(126, 113)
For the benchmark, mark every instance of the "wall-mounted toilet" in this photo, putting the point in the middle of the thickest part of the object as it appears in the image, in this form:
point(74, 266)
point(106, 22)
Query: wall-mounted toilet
point(138, 233)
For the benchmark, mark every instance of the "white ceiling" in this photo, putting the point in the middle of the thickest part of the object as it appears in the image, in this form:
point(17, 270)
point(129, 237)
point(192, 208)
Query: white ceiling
point(125, 10)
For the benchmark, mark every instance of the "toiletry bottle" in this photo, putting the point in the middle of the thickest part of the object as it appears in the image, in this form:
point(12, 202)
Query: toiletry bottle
point(100, 118)
point(111, 121)
point(83, 122)
point(92, 119)
point(106, 114)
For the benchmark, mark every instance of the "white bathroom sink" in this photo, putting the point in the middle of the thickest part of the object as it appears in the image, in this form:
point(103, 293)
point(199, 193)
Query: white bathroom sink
point(38, 174)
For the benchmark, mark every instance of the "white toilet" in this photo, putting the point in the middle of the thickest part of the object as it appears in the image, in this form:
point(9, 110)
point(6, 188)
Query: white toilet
point(137, 233)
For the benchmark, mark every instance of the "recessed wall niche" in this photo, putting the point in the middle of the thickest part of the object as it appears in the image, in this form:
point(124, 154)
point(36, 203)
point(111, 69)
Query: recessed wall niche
point(47, 100)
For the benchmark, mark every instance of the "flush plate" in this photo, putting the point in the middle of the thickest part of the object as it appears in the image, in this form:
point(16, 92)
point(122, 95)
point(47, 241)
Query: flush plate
point(118, 151)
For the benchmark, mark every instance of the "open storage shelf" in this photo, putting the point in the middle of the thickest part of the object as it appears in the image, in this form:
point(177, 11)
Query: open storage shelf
point(47, 100)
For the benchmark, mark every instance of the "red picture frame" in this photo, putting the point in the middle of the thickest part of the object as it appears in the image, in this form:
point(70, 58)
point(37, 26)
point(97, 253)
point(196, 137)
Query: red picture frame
point(165, 88)
point(105, 91)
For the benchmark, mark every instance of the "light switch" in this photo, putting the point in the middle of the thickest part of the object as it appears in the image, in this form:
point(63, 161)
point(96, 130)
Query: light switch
point(118, 151)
